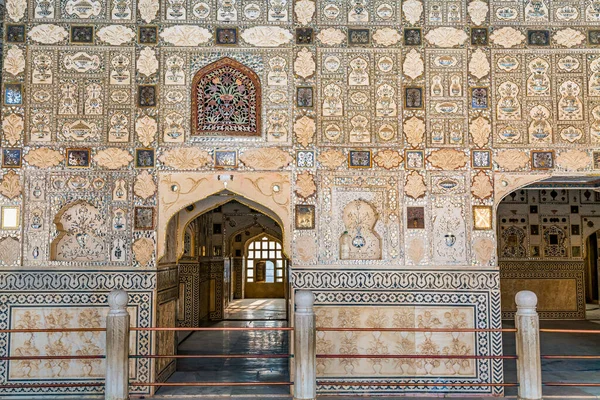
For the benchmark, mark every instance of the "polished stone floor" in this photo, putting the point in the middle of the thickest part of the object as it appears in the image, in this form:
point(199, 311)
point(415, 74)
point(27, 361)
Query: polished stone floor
point(241, 313)
point(256, 310)
point(556, 370)
point(271, 313)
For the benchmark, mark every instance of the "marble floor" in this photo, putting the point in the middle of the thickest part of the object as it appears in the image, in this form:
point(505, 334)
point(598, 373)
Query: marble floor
point(271, 313)
point(256, 310)
point(241, 313)
point(561, 370)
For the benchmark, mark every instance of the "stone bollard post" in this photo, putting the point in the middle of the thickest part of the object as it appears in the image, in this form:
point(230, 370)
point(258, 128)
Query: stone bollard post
point(529, 363)
point(117, 347)
point(305, 381)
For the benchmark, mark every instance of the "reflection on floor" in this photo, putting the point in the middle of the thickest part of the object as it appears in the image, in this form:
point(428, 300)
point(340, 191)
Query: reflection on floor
point(266, 312)
point(242, 313)
point(256, 309)
point(561, 370)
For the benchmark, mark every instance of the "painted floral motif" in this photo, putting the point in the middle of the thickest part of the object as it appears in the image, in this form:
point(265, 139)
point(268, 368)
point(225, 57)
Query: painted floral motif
point(479, 65)
point(305, 184)
point(144, 185)
point(148, 9)
point(331, 36)
point(44, 157)
point(573, 160)
point(185, 158)
point(10, 185)
point(448, 159)
point(186, 35)
point(116, 34)
point(386, 37)
point(481, 186)
point(143, 250)
point(415, 185)
point(480, 130)
point(266, 36)
point(446, 37)
point(147, 63)
point(331, 159)
point(388, 159)
point(412, 9)
point(512, 160)
point(14, 61)
point(507, 37)
point(12, 128)
point(569, 37)
point(304, 10)
point(414, 130)
point(413, 66)
point(48, 34)
point(304, 129)
point(266, 158)
point(304, 65)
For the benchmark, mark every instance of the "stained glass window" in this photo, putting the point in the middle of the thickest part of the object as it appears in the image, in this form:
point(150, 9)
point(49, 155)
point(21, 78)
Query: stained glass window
point(226, 100)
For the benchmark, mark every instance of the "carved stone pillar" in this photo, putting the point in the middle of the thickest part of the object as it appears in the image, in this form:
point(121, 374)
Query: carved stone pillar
point(529, 367)
point(117, 347)
point(305, 382)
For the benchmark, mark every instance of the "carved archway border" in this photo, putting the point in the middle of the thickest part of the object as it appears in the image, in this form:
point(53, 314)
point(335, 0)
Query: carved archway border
point(203, 206)
point(177, 190)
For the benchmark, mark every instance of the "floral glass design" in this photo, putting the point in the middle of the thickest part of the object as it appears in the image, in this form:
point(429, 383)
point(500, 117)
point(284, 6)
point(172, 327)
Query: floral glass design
point(226, 100)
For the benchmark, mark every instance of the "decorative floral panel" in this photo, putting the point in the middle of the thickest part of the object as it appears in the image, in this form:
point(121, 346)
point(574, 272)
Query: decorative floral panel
point(226, 100)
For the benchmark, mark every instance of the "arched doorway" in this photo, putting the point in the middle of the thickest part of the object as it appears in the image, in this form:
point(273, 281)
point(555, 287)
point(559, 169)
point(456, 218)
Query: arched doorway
point(211, 243)
point(547, 243)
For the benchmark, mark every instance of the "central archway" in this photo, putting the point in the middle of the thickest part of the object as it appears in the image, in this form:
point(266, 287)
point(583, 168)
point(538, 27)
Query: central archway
point(183, 199)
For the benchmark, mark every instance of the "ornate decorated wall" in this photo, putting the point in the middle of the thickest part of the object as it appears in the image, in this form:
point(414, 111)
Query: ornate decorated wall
point(382, 133)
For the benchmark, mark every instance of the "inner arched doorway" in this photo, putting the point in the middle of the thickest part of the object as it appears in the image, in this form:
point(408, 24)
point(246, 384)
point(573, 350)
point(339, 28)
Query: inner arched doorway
point(547, 243)
point(232, 271)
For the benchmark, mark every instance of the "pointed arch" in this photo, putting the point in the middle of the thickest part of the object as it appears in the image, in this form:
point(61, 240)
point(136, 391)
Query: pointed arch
point(226, 100)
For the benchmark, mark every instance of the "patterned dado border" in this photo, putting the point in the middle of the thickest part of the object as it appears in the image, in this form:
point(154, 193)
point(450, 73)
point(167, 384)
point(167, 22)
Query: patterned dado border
point(141, 301)
point(394, 279)
point(572, 270)
point(76, 280)
point(476, 289)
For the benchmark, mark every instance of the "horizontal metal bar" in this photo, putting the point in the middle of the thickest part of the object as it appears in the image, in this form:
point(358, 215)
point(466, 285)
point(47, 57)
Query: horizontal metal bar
point(211, 383)
point(62, 330)
point(408, 384)
point(212, 329)
point(597, 332)
point(414, 330)
point(214, 356)
point(20, 358)
point(417, 356)
point(583, 384)
point(49, 385)
point(554, 357)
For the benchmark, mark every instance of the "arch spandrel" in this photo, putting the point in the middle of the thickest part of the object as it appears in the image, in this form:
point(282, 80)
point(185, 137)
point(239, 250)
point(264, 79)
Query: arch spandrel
point(269, 189)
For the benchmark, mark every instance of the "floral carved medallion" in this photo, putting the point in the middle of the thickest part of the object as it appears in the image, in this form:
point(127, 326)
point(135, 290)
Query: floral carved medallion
point(226, 100)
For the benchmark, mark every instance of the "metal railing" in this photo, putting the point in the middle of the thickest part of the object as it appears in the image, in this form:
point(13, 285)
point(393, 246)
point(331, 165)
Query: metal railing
point(117, 383)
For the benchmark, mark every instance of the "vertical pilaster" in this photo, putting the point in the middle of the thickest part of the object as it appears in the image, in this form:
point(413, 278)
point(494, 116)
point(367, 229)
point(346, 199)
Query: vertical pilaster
point(117, 347)
point(305, 382)
point(529, 367)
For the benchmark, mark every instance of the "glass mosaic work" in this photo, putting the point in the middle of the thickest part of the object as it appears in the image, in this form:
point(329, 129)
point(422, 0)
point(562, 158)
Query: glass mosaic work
point(226, 100)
